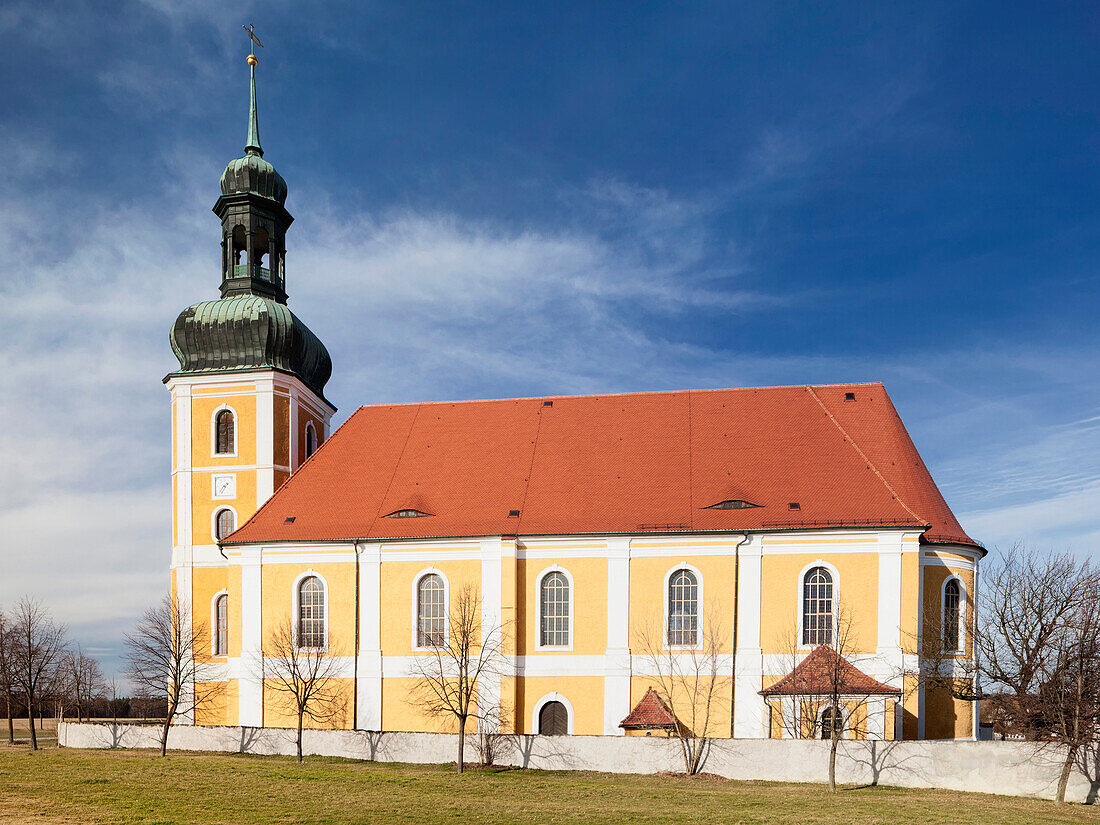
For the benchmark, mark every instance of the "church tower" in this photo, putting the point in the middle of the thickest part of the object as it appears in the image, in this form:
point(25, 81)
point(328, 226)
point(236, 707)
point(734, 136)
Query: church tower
point(248, 408)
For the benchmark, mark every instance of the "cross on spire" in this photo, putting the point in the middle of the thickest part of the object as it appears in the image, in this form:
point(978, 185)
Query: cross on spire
point(252, 35)
point(252, 143)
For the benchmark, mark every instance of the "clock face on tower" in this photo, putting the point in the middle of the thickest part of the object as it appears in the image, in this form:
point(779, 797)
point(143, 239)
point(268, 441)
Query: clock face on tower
point(225, 486)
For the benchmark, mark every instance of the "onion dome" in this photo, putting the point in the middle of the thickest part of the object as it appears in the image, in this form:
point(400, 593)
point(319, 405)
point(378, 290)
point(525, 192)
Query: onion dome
point(248, 333)
point(252, 174)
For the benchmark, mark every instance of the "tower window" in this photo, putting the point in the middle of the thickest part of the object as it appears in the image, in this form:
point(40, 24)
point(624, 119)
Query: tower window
point(311, 439)
point(225, 436)
point(224, 523)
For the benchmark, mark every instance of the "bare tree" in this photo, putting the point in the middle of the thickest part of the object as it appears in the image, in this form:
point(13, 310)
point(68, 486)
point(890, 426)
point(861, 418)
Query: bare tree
point(7, 687)
point(492, 721)
point(1026, 603)
point(160, 659)
point(85, 680)
point(693, 677)
point(303, 680)
point(449, 673)
point(1069, 700)
point(38, 644)
point(823, 693)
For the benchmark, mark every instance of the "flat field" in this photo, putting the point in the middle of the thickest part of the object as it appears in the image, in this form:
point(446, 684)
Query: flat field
point(46, 730)
point(70, 786)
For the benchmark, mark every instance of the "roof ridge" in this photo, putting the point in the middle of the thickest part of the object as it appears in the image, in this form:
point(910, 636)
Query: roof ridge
point(615, 394)
point(530, 467)
point(393, 475)
point(863, 455)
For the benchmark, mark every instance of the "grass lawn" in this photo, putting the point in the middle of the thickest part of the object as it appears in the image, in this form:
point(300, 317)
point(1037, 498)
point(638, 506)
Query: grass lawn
point(70, 786)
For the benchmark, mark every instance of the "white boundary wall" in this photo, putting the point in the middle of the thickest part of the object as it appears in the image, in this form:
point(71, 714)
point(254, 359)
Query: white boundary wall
point(1013, 768)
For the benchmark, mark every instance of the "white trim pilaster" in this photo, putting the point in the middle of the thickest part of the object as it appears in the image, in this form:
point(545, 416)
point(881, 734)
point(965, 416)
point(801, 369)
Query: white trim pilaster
point(616, 684)
point(250, 690)
point(265, 440)
point(368, 687)
point(750, 721)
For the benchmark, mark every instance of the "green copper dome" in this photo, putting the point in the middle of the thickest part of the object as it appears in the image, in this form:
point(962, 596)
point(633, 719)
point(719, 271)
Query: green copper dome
point(249, 332)
point(254, 175)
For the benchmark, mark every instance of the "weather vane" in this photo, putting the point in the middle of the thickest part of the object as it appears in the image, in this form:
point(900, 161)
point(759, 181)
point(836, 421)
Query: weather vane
point(252, 61)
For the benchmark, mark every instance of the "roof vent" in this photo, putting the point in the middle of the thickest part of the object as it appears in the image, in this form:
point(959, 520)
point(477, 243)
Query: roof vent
point(513, 514)
point(548, 403)
point(732, 504)
point(849, 396)
point(407, 513)
point(289, 520)
point(794, 505)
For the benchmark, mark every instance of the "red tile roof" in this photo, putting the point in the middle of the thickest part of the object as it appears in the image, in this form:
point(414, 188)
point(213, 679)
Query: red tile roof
point(817, 674)
point(612, 464)
point(650, 712)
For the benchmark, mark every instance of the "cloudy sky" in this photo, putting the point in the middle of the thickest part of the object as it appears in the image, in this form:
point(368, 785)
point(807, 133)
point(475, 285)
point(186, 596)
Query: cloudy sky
point(498, 199)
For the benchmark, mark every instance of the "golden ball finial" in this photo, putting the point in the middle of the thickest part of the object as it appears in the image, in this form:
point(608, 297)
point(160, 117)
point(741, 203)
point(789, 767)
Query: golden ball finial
point(252, 61)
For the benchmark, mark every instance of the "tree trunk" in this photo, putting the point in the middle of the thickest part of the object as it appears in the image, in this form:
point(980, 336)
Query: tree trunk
point(164, 734)
point(11, 722)
point(30, 721)
point(1067, 769)
point(832, 762)
point(461, 743)
point(300, 736)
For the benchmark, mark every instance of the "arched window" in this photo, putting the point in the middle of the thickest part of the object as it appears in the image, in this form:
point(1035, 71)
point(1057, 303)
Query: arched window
point(311, 612)
point(221, 630)
point(952, 602)
point(224, 433)
point(431, 611)
point(311, 439)
point(683, 609)
point(831, 720)
point(817, 607)
point(553, 719)
point(554, 610)
point(224, 523)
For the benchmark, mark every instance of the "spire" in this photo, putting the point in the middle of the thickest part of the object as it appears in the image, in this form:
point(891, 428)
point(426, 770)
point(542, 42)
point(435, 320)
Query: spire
point(252, 145)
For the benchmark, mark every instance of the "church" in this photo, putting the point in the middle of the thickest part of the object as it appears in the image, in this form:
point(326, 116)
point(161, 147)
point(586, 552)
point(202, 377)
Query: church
point(779, 513)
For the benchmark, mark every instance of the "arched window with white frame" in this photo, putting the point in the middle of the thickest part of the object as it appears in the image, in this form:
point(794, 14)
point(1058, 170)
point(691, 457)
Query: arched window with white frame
point(225, 522)
point(311, 439)
point(311, 613)
point(555, 602)
point(952, 614)
point(831, 721)
point(225, 432)
point(221, 625)
point(817, 607)
point(431, 611)
point(683, 609)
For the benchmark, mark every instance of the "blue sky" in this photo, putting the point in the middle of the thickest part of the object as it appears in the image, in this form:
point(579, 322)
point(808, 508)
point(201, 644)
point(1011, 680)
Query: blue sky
point(500, 199)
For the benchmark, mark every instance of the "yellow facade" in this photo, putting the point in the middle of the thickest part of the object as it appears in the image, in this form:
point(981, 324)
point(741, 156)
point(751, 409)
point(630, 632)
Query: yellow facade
point(615, 608)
